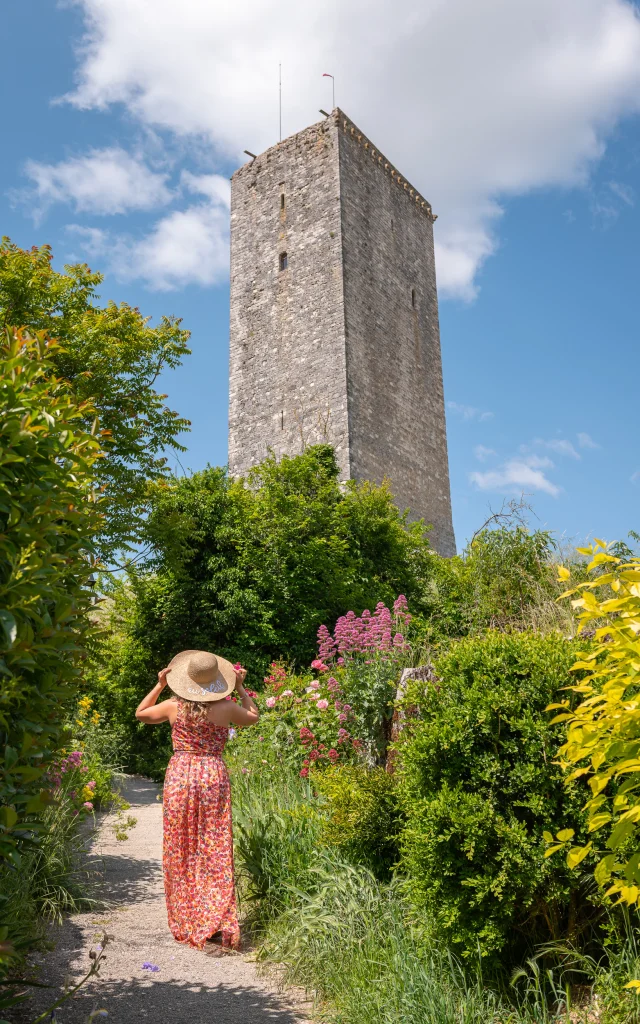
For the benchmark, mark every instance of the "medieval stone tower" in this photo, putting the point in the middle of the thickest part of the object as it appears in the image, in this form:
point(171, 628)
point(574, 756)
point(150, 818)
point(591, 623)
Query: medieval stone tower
point(334, 318)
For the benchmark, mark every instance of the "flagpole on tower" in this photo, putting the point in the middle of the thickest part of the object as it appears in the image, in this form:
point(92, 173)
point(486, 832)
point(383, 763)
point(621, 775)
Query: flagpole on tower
point(280, 97)
point(333, 89)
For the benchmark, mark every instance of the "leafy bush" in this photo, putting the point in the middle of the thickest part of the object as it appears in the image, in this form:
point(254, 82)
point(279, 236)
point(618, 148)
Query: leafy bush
point(363, 818)
point(49, 517)
point(479, 784)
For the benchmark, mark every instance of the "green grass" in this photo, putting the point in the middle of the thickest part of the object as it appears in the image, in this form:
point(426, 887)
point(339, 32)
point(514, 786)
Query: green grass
point(358, 946)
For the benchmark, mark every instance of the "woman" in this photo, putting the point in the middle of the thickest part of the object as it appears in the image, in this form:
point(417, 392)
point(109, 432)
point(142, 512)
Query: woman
point(198, 844)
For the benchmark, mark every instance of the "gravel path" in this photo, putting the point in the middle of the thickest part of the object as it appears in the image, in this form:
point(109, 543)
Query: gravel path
point(189, 987)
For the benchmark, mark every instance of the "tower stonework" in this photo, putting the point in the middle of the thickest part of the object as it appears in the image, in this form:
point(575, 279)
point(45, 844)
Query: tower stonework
point(334, 318)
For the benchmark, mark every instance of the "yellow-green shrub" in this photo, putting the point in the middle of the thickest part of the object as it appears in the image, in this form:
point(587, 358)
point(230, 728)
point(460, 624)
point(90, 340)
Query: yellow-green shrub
point(603, 731)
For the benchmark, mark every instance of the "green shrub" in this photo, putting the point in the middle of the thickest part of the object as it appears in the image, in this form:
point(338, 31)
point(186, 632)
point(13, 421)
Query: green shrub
point(363, 818)
point(479, 785)
point(48, 519)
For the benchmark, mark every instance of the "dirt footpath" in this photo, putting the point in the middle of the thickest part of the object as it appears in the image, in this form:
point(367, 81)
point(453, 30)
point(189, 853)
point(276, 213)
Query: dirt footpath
point(189, 987)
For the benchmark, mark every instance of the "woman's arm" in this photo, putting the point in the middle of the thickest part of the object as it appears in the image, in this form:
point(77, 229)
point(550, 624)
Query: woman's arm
point(150, 712)
point(247, 713)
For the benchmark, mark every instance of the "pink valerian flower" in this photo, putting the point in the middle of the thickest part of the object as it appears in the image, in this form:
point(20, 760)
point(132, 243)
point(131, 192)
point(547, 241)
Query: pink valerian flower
point(368, 633)
point(326, 645)
point(315, 685)
point(333, 754)
point(319, 666)
point(322, 705)
point(333, 686)
point(88, 805)
point(314, 755)
point(342, 717)
point(304, 772)
point(337, 705)
point(287, 693)
point(271, 702)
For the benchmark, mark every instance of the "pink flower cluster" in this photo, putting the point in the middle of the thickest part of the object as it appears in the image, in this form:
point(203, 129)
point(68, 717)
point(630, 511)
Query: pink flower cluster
point(66, 764)
point(364, 634)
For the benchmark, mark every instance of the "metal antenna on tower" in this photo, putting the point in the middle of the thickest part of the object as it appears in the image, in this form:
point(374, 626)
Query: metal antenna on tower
point(280, 96)
point(333, 89)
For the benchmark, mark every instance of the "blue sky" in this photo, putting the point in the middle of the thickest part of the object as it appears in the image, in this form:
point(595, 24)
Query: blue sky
point(123, 120)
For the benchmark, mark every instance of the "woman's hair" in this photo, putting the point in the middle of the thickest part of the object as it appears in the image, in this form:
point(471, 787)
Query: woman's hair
point(195, 709)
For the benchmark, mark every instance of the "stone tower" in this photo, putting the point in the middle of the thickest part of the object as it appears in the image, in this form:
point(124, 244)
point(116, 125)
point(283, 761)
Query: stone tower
point(334, 318)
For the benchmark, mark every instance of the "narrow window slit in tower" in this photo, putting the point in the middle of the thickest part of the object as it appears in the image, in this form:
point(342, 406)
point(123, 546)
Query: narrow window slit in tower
point(282, 420)
point(284, 262)
point(413, 297)
point(282, 201)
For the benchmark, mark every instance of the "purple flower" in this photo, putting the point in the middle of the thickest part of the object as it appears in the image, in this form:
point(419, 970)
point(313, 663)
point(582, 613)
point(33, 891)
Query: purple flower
point(147, 966)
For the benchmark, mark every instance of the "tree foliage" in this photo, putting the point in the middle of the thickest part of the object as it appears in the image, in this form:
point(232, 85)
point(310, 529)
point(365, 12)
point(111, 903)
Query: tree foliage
point(603, 731)
point(252, 568)
point(112, 357)
point(49, 517)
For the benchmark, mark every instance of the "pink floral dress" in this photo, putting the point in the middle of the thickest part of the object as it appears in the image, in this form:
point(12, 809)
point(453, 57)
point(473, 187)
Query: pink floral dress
point(198, 843)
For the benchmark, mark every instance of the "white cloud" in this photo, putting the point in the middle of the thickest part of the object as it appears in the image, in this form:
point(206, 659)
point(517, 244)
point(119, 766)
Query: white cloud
point(213, 186)
point(469, 412)
point(517, 475)
point(557, 445)
point(482, 454)
point(623, 192)
point(103, 181)
point(185, 247)
point(473, 100)
point(586, 441)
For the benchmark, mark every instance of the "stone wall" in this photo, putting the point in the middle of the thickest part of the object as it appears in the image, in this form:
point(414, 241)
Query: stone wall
point(397, 425)
point(343, 345)
point(287, 360)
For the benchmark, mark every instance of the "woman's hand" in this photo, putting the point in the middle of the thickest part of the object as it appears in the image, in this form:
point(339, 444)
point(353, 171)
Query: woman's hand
point(241, 675)
point(162, 678)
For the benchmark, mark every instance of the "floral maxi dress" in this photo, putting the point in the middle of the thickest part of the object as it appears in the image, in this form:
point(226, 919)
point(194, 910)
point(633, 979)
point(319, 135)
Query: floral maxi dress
point(198, 843)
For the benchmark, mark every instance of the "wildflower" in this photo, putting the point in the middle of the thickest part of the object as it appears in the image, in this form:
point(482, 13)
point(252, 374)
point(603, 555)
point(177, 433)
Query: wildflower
point(251, 693)
point(287, 693)
point(232, 734)
point(87, 793)
point(245, 771)
point(261, 739)
point(337, 705)
point(237, 667)
point(264, 762)
point(313, 755)
point(347, 707)
point(322, 705)
point(271, 702)
point(319, 665)
point(149, 966)
point(78, 722)
point(333, 685)
point(342, 717)
point(88, 805)
point(315, 685)
point(95, 718)
point(333, 754)
point(304, 772)
point(306, 733)
point(340, 661)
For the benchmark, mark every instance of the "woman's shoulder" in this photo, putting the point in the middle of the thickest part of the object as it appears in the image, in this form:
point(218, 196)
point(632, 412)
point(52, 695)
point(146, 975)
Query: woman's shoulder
point(219, 713)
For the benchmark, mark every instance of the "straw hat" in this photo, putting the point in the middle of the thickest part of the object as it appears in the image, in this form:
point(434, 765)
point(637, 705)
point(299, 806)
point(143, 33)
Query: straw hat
point(198, 675)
